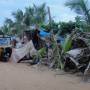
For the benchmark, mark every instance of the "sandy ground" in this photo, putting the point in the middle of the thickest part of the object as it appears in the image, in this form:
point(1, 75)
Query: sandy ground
point(24, 77)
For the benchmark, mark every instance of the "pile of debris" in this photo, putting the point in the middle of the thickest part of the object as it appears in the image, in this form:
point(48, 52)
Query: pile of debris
point(78, 58)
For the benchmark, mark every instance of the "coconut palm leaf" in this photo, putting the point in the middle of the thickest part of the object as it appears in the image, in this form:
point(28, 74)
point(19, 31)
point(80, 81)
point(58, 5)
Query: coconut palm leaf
point(80, 7)
point(67, 44)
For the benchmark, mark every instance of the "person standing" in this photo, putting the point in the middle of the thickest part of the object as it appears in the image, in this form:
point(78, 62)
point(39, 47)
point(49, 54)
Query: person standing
point(36, 38)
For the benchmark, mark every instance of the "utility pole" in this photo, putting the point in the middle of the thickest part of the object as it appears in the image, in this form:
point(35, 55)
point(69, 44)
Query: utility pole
point(50, 19)
point(49, 13)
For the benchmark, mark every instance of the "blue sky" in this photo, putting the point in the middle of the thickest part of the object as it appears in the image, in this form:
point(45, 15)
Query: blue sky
point(58, 9)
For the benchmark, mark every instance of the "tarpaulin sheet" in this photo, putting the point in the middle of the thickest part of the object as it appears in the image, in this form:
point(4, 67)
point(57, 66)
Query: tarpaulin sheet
point(18, 54)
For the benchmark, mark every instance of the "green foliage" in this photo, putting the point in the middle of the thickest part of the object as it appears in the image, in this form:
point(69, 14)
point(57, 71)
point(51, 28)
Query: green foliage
point(5, 29)
point(86, 28)
point(66, 27)
point(82, 25)
point(67, 44)
point(80, 7)
point(49, 27)
point(78, 22)
point(41, 52)
point(18, 15)
point(35, 15)
point(22, 20)
point(60, 52)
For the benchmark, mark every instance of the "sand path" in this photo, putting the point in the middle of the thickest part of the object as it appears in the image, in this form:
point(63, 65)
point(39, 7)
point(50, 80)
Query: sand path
point(23, 77)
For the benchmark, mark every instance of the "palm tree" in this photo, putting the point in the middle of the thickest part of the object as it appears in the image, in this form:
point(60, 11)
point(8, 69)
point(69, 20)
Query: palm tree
point(35, 15)
point(22, 20)
point(28, 16)
point(18, 15)
point(80, 7)
point(9, 22)
point(40, 13)
point(4, 28)
point(18, 23)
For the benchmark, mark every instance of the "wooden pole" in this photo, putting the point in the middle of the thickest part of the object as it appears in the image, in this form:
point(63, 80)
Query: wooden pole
point(50, 19)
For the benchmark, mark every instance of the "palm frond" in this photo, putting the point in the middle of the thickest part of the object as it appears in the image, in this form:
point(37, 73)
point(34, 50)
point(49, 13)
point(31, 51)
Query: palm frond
point(67, 44)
